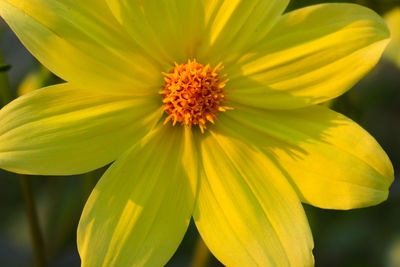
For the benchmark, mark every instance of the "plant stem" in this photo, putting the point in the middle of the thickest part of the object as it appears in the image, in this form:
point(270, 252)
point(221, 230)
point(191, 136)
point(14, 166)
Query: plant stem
point(201, 254)
point(36, 235)
point(5, 92)
point(89, 181)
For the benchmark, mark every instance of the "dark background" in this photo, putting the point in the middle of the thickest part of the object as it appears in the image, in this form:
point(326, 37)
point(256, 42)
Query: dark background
point(364, 237)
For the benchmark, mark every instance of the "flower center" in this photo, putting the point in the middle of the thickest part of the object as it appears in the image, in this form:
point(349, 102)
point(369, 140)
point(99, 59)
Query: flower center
point(193, 94)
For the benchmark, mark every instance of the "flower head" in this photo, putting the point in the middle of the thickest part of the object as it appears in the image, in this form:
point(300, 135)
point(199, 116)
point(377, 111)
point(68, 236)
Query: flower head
point(392, 52)
point(193, 94)
point(130, 66)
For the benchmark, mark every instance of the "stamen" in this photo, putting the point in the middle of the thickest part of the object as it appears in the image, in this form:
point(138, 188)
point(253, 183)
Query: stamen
point(194, 94)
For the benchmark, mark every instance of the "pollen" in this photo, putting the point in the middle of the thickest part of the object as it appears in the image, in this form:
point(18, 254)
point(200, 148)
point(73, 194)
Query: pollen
point(193, 94)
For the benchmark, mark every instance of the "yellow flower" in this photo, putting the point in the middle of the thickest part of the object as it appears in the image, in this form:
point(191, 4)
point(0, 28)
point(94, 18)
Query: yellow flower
point(392, 52)
point(136, 68)
point(34, 80)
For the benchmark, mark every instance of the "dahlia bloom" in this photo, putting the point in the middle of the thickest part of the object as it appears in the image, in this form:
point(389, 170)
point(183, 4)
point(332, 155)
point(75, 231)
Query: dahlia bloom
point(207, 109)
point(392, 52)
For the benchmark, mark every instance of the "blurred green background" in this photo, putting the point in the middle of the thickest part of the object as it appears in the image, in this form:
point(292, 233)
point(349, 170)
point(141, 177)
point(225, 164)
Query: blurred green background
point(365, 237)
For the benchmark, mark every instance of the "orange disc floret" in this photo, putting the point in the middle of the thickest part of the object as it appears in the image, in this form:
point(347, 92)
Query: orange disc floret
point(193, 94)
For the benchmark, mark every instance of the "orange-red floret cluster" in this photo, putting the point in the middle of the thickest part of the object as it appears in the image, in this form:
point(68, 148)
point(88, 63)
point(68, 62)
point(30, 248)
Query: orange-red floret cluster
point(193, 94)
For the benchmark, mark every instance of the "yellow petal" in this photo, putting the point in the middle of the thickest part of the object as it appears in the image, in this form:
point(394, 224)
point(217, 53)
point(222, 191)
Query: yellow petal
point(206, 29)
point(168, 30)
point(331, 161)
point(247, 214)
point(234, 25)
point(310, 56)
point(61, 130)
point(139, 211)
point(392, 52)
point(81, 42)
